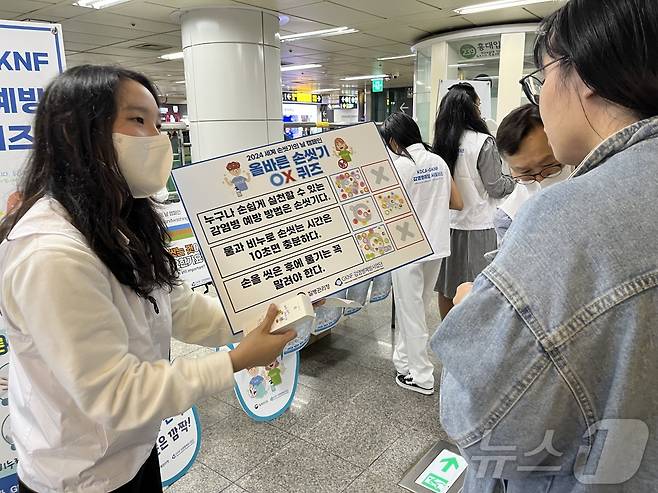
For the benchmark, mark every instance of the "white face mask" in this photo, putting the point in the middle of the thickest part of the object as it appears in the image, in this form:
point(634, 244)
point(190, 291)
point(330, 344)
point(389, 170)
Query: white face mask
point(532, 186)
point(552, 180)
point(144, 162)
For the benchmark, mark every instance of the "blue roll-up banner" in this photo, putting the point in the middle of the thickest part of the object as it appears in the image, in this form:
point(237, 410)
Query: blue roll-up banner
point(265, 393)
point(33, 56)
point(181, 444)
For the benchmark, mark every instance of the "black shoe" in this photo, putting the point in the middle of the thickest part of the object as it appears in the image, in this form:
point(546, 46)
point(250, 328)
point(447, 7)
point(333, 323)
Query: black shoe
point(406, 382)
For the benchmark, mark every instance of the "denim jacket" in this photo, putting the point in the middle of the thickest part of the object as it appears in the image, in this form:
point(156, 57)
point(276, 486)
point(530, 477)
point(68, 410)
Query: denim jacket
point(550, 370)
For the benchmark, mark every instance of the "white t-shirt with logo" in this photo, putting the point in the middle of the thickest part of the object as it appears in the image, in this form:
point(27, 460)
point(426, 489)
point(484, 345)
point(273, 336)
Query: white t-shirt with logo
point(427, 182)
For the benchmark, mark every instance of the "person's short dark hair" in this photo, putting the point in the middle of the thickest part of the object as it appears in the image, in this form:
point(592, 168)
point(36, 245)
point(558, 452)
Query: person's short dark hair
point(515, 127)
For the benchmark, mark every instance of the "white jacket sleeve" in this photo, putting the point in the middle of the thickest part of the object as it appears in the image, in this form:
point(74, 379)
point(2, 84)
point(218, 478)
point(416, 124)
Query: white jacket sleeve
point(61, 298)
point(198, 318)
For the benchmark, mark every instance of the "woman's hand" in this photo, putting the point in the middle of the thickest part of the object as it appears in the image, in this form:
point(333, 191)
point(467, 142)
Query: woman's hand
point(259, 347)
point(462, 292)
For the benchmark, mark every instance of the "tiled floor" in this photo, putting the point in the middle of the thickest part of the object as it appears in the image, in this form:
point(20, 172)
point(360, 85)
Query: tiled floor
point(350, 427)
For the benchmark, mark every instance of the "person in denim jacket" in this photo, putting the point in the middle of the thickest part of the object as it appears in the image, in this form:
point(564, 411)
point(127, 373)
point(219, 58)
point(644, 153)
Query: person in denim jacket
point(550, 364)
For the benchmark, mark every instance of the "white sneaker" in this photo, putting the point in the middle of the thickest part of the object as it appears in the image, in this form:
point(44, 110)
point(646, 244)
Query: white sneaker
point(406, 382)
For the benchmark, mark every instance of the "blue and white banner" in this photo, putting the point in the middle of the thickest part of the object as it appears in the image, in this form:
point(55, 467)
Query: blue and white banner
point(178, 445)
point(31, 55)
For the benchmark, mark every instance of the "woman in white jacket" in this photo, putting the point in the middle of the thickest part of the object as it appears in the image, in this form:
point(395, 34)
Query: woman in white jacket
point(91, 297)
point(426, 178)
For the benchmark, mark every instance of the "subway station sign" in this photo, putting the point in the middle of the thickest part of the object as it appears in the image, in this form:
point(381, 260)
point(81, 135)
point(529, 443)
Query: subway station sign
point(348, 102)
point(301, 97)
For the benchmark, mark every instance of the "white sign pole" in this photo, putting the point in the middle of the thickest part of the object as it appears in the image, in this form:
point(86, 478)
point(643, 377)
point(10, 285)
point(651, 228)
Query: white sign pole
point(31, 55)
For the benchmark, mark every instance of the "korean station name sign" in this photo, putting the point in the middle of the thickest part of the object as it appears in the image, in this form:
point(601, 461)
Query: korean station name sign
point(485, 48)
point(314, 215)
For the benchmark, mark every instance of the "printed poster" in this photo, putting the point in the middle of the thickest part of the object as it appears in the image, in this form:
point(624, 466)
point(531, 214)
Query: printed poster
point(32, 55)
point(183, 245)
point(316, 215)
point(178, 445)
point(175, 463)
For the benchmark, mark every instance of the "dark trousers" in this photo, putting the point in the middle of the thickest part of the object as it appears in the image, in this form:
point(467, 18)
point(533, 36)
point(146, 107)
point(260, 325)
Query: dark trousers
point(147, 479)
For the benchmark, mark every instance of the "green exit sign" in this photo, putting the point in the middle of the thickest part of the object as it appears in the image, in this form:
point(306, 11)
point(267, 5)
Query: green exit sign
point(377, 85)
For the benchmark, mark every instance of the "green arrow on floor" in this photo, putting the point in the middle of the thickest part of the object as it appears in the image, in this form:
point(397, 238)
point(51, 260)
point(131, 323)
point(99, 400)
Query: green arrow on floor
point(450, 462)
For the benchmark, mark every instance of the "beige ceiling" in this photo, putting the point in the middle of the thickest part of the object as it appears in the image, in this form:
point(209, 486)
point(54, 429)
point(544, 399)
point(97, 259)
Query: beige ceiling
point(386, 28)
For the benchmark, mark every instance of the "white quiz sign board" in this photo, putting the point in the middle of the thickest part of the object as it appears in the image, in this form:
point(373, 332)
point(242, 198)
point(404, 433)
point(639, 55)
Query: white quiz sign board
point(313, 215)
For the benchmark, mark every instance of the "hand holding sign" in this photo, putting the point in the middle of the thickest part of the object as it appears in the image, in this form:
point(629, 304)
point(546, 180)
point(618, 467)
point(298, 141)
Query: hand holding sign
point(260, 347)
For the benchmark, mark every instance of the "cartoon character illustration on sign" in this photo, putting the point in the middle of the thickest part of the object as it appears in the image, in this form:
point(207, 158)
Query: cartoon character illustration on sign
point(350, 184)
point(257, 389)
point(344, 152)
point(361, 213)
point(390, 202)
point(255, 371)
point(239, 180)
point(374, 243)
point(274, 374)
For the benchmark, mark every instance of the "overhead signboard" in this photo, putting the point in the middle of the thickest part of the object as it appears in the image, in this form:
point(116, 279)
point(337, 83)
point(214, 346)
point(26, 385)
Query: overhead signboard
point(484, 48)
point(348, 102)
point(301, 97)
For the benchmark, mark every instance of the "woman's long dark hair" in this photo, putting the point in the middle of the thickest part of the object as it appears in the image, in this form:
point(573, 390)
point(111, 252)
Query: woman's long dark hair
point(611, 44)
point(404, 131)
point(74, 162)
point(458, 112)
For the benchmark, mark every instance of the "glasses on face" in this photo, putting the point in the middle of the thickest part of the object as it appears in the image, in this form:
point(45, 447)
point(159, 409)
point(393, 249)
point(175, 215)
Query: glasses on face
point(548, 171)
point(533, 82)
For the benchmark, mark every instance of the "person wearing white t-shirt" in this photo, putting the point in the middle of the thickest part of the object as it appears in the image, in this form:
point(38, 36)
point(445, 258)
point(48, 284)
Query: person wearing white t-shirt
point(426, 178)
